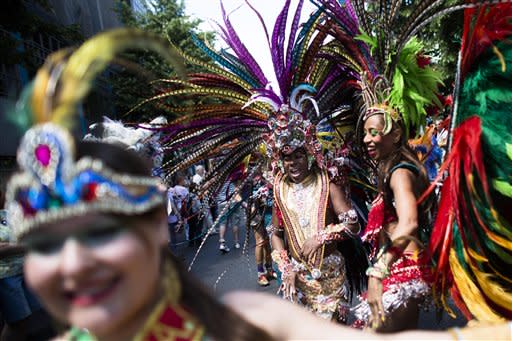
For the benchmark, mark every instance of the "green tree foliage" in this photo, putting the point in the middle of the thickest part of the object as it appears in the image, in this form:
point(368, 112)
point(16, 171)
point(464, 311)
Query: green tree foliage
point(442, 39)
point(132, 84)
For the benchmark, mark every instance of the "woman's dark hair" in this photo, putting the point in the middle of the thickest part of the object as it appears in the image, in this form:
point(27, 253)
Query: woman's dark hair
point(403, 154)
point(221, 322)
point(115, 157)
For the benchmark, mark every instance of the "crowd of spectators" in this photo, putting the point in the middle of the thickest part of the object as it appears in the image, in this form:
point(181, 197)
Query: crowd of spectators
point(190, 218)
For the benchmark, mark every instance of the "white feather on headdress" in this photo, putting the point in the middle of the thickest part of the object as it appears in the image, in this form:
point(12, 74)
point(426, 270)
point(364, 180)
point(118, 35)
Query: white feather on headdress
point(141, 140)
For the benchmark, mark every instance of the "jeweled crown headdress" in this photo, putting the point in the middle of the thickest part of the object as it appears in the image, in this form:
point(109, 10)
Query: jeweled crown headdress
point(289, 127)
point(51, 184)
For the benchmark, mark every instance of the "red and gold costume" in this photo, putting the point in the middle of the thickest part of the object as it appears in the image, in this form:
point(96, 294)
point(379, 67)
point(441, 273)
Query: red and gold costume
point(171, 323)
point(409, 276)
point(167, 323)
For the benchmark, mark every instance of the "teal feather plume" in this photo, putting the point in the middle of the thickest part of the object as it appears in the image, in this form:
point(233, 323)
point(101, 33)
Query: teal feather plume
point(224, 62)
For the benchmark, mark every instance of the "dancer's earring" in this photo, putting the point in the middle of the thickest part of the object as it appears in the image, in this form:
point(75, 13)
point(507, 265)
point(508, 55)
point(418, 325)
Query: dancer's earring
point(310, 162)
point(280, 165)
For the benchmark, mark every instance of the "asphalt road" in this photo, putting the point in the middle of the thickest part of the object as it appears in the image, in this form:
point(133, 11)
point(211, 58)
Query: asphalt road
point(237, 270)
point(234, 270)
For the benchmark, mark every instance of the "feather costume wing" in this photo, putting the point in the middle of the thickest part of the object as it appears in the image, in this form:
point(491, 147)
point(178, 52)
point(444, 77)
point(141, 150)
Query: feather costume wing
point(472, 237)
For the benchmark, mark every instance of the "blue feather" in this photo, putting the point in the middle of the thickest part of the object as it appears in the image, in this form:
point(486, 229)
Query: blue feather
point(224, 62)
point(301, 37)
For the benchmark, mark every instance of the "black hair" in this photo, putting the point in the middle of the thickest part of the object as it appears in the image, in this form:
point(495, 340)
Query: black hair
point(115, 157)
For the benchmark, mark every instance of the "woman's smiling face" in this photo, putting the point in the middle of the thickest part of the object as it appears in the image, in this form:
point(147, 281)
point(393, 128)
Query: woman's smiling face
point(378, 146)
point(101, 275)
point(295, 165)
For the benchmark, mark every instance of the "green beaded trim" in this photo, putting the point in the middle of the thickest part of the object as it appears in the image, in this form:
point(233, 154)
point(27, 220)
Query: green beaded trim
point(77, 334)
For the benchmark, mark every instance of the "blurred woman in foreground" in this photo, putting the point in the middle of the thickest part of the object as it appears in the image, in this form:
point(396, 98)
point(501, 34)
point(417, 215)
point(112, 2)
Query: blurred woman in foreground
point(95, 227)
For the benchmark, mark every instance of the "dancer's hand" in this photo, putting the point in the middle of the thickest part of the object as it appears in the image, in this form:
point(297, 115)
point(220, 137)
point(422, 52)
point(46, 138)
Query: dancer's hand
point(377, 317)
point(288, 286)
point(309, 248)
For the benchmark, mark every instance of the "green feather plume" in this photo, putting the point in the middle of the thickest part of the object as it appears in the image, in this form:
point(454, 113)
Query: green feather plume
point(414, 87)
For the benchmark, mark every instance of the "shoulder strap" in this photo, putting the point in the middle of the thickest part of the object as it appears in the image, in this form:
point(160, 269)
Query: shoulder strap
point(407, 165)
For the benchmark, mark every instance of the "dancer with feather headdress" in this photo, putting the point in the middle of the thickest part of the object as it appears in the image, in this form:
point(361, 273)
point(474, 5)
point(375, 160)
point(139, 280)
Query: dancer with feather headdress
point(395, 90)
point(309, 112)
point(395, 97)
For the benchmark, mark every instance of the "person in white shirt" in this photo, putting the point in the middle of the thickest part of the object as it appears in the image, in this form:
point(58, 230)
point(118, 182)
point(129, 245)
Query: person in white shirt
point(199, 176)
point(233, 216)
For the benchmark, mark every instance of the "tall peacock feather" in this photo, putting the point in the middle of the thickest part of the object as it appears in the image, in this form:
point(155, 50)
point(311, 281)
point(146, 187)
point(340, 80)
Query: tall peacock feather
point(472, 237)
point(235, 112)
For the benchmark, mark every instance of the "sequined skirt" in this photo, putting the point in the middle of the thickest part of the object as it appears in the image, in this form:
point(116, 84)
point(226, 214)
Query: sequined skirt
point(410, 278)
point(325, 296)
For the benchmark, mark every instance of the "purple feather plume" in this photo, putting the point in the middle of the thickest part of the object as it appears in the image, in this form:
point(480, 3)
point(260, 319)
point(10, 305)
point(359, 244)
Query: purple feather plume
point(241, 51)
point(261, 20)
point(290, 69)
point(269, 93)
point(278, 45)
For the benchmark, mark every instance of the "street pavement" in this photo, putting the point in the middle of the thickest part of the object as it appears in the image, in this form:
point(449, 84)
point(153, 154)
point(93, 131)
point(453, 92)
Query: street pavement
point(223, 273)
point(236, 270)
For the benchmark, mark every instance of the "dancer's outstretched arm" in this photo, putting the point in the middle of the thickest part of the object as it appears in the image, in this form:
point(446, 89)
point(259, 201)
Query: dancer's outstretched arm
point(286, 321)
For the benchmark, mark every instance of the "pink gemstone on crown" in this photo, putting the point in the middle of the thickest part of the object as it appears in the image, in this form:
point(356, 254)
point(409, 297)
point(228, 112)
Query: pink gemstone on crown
point(43, 154)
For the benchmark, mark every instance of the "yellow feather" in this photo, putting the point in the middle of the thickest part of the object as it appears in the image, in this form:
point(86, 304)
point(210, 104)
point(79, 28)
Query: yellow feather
point(505, 243)
point(45, 85)
point(39, 96)
point(470, 293)
point(494, 291)
point(479, 258)
point(501, 58)
point(94, 56)
point(262, 148)
point(246, 160)
point(232, 96)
